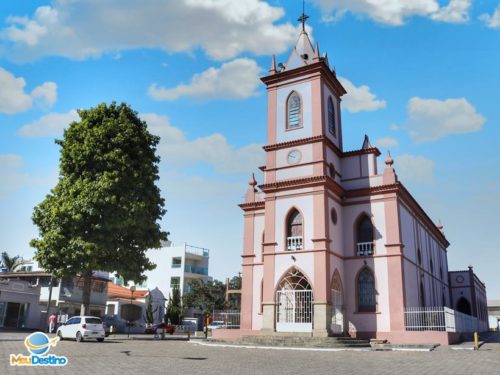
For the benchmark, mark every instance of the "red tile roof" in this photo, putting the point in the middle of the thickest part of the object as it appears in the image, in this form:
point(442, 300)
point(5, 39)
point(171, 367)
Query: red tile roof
point(117, 291)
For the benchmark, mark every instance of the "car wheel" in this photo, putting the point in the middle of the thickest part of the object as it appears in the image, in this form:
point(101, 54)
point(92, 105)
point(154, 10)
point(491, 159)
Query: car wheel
point(100, 339)
point(79, 337)
point(59, 334)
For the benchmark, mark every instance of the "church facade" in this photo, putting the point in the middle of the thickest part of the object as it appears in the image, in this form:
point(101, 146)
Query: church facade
point(331, 244)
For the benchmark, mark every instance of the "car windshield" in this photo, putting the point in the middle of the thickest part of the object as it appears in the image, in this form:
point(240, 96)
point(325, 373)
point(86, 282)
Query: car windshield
point(93, 321)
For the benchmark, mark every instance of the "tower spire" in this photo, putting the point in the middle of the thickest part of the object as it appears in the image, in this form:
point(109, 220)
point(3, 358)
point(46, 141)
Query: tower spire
point(303, 18)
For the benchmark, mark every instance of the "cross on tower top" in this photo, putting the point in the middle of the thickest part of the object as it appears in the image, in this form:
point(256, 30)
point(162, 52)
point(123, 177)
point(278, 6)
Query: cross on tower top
point(303, 18)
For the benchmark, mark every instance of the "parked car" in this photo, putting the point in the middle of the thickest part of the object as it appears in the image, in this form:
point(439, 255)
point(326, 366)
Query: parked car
point(82, 328)
point(112, 321)
point(216, 324)
point(157, 328)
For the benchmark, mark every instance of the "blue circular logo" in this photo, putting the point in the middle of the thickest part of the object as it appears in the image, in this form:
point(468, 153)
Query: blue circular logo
point(37, 343)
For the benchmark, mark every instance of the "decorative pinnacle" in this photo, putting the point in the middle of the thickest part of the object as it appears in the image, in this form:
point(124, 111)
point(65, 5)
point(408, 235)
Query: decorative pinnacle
point(388, 159)
point(273, 66)
point(440, 226)
point(252, 181)
point(303, 18)
point(316, 52)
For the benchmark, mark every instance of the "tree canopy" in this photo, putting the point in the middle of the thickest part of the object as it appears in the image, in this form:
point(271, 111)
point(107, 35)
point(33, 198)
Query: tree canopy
point(206, 296)
point(103, 213)
point(10, 262)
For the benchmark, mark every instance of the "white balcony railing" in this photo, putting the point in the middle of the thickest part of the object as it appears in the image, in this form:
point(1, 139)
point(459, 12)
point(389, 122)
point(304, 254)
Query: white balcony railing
point(197, 250)
point(439, 318)
point(294, 243)
point(364, 249)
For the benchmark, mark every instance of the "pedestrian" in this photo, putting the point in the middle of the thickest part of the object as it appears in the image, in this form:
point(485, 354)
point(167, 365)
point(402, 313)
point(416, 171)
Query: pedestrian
point(52, 322)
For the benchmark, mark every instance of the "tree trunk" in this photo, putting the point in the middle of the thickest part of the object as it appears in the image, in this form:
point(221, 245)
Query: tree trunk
point(87, 289)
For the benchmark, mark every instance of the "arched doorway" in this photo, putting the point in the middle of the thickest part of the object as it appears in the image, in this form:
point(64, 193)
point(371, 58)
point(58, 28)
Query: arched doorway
point(294, 299)
point(463, 306)
point(337, 325)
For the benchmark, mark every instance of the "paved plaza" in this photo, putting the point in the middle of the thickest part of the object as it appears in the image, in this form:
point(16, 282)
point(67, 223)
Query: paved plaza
point(121, 356)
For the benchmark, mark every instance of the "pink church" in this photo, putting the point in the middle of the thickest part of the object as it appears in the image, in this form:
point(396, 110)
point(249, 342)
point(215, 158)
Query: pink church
point(332, 245)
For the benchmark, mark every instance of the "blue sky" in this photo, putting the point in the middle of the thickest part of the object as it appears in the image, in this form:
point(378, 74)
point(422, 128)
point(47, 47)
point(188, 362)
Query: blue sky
point(422, 77)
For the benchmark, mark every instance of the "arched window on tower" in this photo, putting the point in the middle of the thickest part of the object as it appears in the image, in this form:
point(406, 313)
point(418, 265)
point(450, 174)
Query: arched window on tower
point(331, 117)
point(366, 291)
point(364, 236)
point(294, 231)
point(293, 111)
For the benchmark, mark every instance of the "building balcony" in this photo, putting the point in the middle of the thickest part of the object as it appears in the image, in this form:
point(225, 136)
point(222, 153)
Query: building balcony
point(196, 270)
point(294, 243)
point(364, 249)
point(194, 250)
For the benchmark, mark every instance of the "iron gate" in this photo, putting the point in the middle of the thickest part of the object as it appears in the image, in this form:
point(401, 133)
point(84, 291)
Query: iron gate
point(294, 310)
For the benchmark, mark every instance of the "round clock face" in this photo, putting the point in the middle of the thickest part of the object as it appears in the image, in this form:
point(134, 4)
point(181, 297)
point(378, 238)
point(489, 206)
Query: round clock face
point(460, 279)
point(293, 157)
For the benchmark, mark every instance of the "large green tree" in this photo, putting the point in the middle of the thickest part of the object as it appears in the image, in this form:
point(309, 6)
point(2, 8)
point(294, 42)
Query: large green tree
point(207, 297)
point(103, 213)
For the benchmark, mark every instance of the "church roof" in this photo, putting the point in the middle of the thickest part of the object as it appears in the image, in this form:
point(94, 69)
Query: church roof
point(302, 54)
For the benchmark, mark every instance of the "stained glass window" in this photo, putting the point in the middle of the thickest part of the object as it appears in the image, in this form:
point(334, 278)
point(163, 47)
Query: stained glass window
point(366, 291)
point(293, 111)
point(331, 117)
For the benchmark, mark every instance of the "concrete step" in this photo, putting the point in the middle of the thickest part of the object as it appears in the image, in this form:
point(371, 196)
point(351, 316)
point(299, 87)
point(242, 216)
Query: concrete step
point(303, 341)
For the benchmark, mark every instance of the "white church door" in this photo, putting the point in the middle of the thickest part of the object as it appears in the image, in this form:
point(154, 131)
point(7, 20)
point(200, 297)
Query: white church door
point(294, 303)
point(337, 324)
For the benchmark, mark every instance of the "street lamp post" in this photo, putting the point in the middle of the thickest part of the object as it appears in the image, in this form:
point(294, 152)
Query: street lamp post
point(132, 290)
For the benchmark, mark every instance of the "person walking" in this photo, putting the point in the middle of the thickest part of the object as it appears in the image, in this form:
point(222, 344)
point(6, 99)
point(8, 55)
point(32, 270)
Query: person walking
point(52, 322)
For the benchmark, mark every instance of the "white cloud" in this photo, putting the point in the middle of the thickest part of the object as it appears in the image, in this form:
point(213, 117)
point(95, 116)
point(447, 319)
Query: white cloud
point(395, 12)
point(80, 29)
point(12, 178)
point(359, 98)
point(386, 142)
point(237, 79)
point(457, 11)
point(414, 169)
point(432, 119)
point(49, 125)
point(14, 99)
point(493, 21)
point(177, 150)
point(45, 95)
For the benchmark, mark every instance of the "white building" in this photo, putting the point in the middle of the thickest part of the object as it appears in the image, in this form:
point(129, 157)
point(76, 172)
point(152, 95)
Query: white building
point(176, 266)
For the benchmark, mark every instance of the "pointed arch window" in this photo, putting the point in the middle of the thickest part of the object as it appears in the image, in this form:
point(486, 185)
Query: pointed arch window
point(422, 294)
point(331, 117)
point(294, 231)
point(364, 236)
point(366, 291)
point(294, 111)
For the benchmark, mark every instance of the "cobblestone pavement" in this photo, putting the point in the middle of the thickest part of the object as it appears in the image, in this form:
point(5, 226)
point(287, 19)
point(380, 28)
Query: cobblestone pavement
point(117, 356)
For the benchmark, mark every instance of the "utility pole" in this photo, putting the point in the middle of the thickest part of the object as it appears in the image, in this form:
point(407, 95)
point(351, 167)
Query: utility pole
point(51, 281)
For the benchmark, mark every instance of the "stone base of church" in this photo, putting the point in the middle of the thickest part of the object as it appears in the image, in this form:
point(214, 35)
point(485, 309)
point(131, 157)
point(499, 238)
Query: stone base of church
point(412, 337)
point(322, 318)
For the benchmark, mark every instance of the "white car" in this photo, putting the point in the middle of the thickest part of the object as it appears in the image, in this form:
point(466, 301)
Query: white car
point(82, 328)
point(216, 324)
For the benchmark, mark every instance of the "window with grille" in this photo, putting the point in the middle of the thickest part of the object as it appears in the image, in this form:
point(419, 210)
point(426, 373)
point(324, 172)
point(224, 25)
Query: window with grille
point(176, 262)
point(295, 224)
point(294, 115)
point(364, 236)
point(366, 291)
point(331, 117)
point(294, 231)
point(175, 282)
